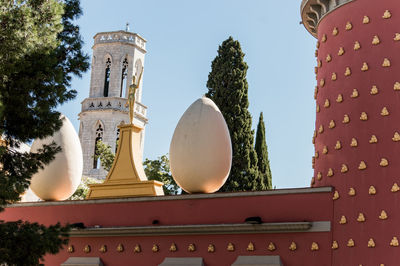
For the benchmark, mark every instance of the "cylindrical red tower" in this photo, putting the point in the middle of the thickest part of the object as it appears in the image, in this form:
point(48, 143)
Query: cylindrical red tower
point(357, 137)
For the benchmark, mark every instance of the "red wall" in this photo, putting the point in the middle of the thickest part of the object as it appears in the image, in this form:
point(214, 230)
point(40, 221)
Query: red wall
point(384, 127)
point(272, 208)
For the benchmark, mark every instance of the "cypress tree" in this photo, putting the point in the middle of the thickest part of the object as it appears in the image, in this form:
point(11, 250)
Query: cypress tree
point(264, 169)
point(228, 88)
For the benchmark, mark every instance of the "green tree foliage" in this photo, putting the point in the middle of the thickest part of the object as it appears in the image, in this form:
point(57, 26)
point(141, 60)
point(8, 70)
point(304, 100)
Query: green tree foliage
point(264, 169)
point(40, 51)
point(228, 88)
point(154, 169)
point(159, 170)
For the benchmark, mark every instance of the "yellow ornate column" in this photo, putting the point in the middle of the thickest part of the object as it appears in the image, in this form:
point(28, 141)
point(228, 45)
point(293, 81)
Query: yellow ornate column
point(126, 177)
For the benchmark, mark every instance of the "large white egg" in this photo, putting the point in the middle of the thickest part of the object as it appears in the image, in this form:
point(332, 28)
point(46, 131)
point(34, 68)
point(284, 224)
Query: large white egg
point(59, 179)
point(201, 151)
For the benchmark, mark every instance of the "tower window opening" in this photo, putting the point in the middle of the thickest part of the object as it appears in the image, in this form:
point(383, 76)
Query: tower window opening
point(107, 77)
point(124, 76)
point(116, 141)
point(99, 137)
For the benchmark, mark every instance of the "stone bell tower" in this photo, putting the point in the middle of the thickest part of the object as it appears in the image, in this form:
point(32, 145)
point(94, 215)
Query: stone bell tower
point(117, 56)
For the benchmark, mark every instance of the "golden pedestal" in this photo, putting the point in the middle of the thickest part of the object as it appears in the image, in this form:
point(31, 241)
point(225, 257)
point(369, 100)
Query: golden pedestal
point(126, 177)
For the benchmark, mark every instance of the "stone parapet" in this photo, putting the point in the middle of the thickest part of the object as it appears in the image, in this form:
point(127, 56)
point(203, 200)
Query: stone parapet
point(112, 103)
point(312, 11)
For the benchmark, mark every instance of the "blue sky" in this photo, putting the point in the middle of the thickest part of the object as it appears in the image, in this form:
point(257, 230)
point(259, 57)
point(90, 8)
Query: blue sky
point(183, 38)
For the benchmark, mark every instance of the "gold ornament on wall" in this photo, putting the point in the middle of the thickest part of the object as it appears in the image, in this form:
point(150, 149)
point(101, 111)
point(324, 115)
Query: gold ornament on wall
point(250, 247)
point(384, 111)
point(349, 26)
point(321, 129)
point(387, 14)
point(338, 145)
point(330, 173)
point(271, 246)
point(120, 247)
point(336, 195)
point(335, 244)
point(325, 150)
point(383, 215)
point(373, 139)
point(335, 31)
point(327, 103)
point(396, 137)
point(322, 83)
point(316, 154)
point(319, 64)
point(343, 220)
point(374, 90)
point(397, 37)
point(318, 44)
point(346, 119)
point(211, 248)
point(394, 242)
point(70, 249)
point(155, 248)
point(386, 62)
point(316, 71)
point(347, 72)
point(191, 248)
point(352, 192)
point(362, 166)
point(364, 67)
point(395, 188)
point(384, 162)
point(324, 38)
point(230, 247)
point(332, 124)
point(316, 53)
point(339, 98)
point(328, 58)
point(375, 40)
point(344, 168)
point(317, 108)
point(361, 217)
point(350, 243)
point(365, 20)
point(312, 181)
point(314, 246)
point(357, 46)
point(173, 247)
point(396, 86)
point(353, 142)
point(293, 246)
point(341, 51)
point(354, 94)
point(86, 249)
point(315, 92)
point(319, 176)
point(364, 116)
point(371, 243)
point(372, 190)
point(334, 77)
point(103, 249)
point(137, 249)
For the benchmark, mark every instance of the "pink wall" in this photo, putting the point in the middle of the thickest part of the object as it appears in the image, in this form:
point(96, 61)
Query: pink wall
point(188, 210)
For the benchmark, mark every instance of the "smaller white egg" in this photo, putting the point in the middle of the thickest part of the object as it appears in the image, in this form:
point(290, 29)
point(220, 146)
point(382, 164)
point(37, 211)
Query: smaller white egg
point(61, 177)
point(200, 150)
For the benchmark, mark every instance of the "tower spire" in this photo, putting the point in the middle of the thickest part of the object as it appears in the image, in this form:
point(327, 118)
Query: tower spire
point(127, 26)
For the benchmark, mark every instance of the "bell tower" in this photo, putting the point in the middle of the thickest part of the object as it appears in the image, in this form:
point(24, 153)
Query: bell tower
point(117, 56)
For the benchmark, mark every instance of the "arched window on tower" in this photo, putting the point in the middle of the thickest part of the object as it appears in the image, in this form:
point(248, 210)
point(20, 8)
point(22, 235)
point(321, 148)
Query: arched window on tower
point(117, 141)
point(107, 77)
point(124, 76)
point(99, 136)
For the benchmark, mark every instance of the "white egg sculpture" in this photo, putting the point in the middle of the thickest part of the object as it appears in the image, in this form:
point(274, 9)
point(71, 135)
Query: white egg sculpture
point(61, 177)
point(200, 151)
